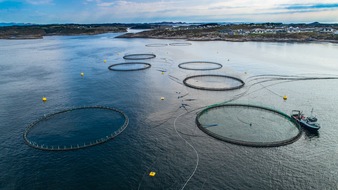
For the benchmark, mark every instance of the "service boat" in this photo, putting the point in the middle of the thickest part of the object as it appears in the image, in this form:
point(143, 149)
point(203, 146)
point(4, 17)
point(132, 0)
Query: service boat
point(309, 123)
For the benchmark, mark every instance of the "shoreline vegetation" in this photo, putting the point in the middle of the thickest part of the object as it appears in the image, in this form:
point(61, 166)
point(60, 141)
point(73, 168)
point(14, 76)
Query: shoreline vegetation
point(265, 32)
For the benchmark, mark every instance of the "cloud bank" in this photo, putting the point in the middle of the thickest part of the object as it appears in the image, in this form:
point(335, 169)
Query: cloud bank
point(103, 11)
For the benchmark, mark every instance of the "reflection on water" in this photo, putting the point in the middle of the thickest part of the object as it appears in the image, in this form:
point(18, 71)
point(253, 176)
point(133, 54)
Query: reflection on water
point(311, 134)
point(51, 67)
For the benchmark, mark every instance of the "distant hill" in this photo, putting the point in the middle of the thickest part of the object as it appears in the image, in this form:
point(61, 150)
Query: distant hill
point(14, 24)
point(38, 31)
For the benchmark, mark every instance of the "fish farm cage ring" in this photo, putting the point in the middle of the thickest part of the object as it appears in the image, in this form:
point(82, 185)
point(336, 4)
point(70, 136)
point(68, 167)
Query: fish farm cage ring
point(141, 56)
point(156, 45)
point(248, 125)
point(75, 128)
point(181, 44)
point(213, 82)
point(129, 66)
point(200, 65)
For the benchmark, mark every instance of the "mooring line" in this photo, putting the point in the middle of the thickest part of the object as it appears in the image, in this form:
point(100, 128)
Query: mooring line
point(197, 157)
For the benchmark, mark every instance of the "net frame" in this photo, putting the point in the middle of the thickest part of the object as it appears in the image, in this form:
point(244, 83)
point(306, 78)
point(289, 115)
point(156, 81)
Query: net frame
point(137, 56)
point(180, 44)
point(147, 66)
point(156, 45)
point(196, 62)
point(78, 146)
point(248, 143)
point(242, 83)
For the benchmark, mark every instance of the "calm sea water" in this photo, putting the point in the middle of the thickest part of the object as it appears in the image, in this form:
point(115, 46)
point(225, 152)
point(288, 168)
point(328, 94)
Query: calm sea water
point(51, 67)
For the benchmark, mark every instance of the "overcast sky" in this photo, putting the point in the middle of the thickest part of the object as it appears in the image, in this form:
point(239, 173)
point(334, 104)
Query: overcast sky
point(110, 11)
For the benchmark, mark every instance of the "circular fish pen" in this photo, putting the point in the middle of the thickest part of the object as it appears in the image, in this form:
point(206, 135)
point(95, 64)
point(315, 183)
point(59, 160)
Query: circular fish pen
point(180, 44)
point(213, 82)
point(200, 65)
point(129, 66)
point(248, 125)
point(75, 128)
point(156, 45)
point(140, 56)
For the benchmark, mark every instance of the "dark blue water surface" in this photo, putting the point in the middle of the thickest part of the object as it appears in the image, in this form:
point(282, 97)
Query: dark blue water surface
point(51, 67)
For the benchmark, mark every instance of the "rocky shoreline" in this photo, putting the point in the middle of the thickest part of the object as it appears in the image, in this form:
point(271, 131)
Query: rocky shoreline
point(130, 35)
point(233, 39)
point(265, 40)
point(269, 32)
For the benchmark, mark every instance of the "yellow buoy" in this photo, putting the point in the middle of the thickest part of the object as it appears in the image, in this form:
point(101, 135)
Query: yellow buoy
point(162, 98)
point(162, 73)
point(285, 97)
point(82, 74)
point(104, 61)
point(44, 99)
point(152, 174)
